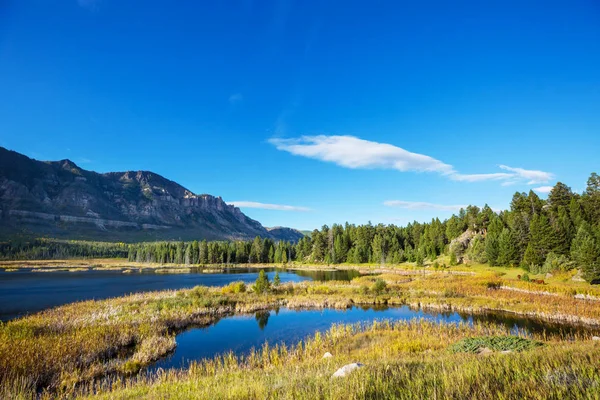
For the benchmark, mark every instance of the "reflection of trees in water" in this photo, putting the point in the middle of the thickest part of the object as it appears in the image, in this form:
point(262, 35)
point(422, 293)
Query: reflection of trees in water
point(529, 325)
point(337, 275)
point(262, 318)
point(374, 307)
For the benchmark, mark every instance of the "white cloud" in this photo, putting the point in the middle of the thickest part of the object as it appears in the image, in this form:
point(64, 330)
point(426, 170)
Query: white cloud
point(353, 152)
point(266, 206)
point(533, 177)
point(543, 189)
point(236, 98)
point(420, 205)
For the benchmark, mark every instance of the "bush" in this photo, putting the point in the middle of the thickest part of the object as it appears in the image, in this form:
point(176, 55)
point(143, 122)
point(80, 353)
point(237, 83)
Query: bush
point(198, 292)
point(453, 260)
point(495, 343)
point(525, 278)
point(496, 284)
point(234, 287)
point(556, 262)
point(379, 286)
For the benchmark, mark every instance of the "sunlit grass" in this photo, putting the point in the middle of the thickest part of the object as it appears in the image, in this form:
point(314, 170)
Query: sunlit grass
point(402, 360)
point(59, 350)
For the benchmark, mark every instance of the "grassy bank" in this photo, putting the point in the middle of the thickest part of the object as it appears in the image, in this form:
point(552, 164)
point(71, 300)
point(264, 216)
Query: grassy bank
point(411, 360)
point(60, 350)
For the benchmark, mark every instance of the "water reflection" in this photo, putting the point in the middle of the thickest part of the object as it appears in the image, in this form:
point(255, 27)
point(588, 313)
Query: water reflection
point(23, 292)
point(262, 318)
point(241, 333)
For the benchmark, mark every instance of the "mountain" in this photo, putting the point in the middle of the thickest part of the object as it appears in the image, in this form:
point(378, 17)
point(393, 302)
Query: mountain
point(286, 234)
point(60, 199)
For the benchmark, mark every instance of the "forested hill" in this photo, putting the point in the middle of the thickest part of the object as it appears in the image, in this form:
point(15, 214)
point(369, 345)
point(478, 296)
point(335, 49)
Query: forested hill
point(60, 199)
point(560, 233)
point(557, 234)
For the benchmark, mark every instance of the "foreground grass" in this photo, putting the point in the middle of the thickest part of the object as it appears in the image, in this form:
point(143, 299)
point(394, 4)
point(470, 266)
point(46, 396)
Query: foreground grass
point(59, 351)
point(409, 360)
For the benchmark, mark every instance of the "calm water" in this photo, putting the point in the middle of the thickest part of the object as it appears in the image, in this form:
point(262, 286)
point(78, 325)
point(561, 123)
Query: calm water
point(241, 333)
point(24, 292)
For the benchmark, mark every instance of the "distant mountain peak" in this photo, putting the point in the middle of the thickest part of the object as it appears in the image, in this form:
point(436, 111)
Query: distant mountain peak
point(60, 199)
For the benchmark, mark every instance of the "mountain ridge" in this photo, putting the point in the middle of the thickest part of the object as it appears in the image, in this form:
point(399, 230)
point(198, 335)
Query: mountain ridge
point(61, 199)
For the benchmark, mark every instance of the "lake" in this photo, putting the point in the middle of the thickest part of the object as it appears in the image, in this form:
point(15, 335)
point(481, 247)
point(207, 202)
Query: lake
point(241, 333)
point(24, 292)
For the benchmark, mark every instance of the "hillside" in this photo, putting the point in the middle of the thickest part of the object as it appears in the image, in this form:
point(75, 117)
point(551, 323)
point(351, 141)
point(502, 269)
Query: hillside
point(60, 199)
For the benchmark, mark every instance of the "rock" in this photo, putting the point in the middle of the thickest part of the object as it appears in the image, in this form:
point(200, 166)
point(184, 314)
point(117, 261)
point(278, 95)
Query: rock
point(578, 277)
point(327, 355)
point(43, 196)
point(484, 351)
point(549, 275)
point(595, 337)
point(346, 370)
point(506, 352)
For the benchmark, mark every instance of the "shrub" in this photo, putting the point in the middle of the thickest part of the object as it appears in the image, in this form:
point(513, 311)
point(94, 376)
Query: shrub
point(234, 287)
point(198, 291)
point(495, 284)
point(379, 286)
point(131, 367)
point(525, 278)
point(496, 343)
point(555, 262)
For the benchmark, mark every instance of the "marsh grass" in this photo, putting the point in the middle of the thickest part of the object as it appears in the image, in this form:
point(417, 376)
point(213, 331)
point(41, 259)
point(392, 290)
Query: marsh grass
point(411, 360)
point(59, 350)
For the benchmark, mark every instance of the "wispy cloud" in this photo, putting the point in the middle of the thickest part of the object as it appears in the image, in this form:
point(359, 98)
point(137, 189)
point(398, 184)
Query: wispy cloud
point(420, 205)
point(353, 152)
point(533, 177)
point(235, 98)
point(543, 189)
point(266, 206)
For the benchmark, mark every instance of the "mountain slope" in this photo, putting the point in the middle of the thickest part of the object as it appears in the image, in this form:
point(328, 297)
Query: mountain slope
point(60, 199)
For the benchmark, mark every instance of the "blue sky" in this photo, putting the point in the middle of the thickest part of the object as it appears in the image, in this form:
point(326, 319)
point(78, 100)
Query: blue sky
point(387, 111)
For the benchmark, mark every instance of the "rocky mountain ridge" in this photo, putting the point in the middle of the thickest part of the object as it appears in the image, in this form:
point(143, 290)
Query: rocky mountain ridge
point(60, 199)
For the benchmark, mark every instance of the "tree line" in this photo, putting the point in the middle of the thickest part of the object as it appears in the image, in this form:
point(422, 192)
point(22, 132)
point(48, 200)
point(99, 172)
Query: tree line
point(559, 233)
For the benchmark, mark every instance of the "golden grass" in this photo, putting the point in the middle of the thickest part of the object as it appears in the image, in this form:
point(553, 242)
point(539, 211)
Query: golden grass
point(58, 350)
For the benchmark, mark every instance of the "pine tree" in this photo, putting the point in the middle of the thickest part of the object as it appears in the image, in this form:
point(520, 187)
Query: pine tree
point(492, 244)
point(585, 252)
point(276, 279)
point(559, 196)
point(541, 241)
point(262, 283)
point(508, 252)
point(203, 252)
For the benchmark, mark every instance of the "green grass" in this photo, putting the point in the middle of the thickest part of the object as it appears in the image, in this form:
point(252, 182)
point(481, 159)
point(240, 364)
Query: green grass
point(408, 360)
point(494, 343)
point(59, 350)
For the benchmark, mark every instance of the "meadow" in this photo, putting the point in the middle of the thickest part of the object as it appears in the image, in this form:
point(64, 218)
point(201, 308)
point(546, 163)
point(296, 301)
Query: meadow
point(70, 351)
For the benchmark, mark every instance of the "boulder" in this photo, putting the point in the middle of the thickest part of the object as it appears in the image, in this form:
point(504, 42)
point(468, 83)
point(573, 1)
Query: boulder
point(346, 370)
point(484, 351)
point(327, 355)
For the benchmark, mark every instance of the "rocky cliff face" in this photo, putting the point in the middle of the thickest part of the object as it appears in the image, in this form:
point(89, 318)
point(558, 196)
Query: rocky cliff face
point(60, 199)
